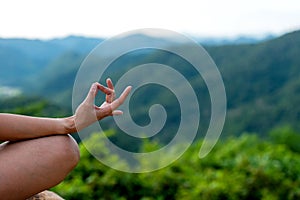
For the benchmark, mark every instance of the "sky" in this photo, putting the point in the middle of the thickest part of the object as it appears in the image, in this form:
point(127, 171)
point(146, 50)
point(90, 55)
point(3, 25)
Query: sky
point(45, 19)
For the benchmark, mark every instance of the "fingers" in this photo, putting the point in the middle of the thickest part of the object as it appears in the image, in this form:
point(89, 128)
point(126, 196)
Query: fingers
point(111, 97)
point(117, 112)
point(109, 107)
point(116, 103)
point(109, 84)
point(104, 89)
point(92, 93)
point(94, 89)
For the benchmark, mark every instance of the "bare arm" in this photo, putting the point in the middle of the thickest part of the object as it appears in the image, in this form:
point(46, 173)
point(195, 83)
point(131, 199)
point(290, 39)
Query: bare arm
point(19, 127)
point(16, 127)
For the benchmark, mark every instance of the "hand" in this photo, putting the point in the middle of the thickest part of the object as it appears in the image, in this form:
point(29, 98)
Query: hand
point(88, 113)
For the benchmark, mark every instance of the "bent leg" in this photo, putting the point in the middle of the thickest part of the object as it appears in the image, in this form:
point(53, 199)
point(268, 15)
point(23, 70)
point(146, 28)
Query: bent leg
point(31, 166)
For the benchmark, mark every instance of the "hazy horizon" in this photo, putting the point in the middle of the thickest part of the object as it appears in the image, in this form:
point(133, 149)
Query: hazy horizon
point(91, 18)
point(192, 35)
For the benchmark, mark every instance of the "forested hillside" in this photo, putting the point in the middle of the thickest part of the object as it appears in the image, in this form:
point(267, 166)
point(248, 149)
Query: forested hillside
point(261, 79)
point(262, 83)
point(22, 59)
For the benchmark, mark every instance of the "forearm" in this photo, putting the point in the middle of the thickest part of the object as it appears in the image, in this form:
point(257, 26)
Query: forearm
point(18, 127)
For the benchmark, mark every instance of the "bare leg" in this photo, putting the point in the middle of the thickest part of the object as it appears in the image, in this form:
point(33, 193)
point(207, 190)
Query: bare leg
point(31, 166)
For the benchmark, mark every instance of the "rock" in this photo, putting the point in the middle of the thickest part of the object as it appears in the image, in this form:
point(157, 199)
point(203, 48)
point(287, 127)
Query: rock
point(46, 195)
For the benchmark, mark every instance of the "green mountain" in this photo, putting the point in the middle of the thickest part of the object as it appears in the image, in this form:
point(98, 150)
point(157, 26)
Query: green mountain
point(261, 80)
point(23, 59)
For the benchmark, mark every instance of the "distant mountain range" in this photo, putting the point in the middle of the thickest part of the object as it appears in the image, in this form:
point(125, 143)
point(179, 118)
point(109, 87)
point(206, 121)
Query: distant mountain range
point(261, 77)
point(22, 58)
point(207, 41)
point(29, 57)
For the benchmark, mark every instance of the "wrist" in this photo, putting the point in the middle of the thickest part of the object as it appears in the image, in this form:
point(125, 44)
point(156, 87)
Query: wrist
point(69, 125)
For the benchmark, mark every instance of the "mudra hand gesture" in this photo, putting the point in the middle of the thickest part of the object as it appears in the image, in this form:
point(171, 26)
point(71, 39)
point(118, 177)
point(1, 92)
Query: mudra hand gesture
point(88, 113)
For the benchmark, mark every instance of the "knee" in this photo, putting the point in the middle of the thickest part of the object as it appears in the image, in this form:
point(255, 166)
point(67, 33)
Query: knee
point(67, 151)
point(39, 163)
point(63, 151)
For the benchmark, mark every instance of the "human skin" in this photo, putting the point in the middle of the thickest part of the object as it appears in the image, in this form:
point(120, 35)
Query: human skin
point(39, 151)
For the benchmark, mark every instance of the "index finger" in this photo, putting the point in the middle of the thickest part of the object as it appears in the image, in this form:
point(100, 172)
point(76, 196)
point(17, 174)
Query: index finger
point(104, 89)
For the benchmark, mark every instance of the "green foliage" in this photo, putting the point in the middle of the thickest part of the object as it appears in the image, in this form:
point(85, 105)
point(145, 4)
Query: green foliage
point(286, 135)
point(33, 106)
point(238, 168)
